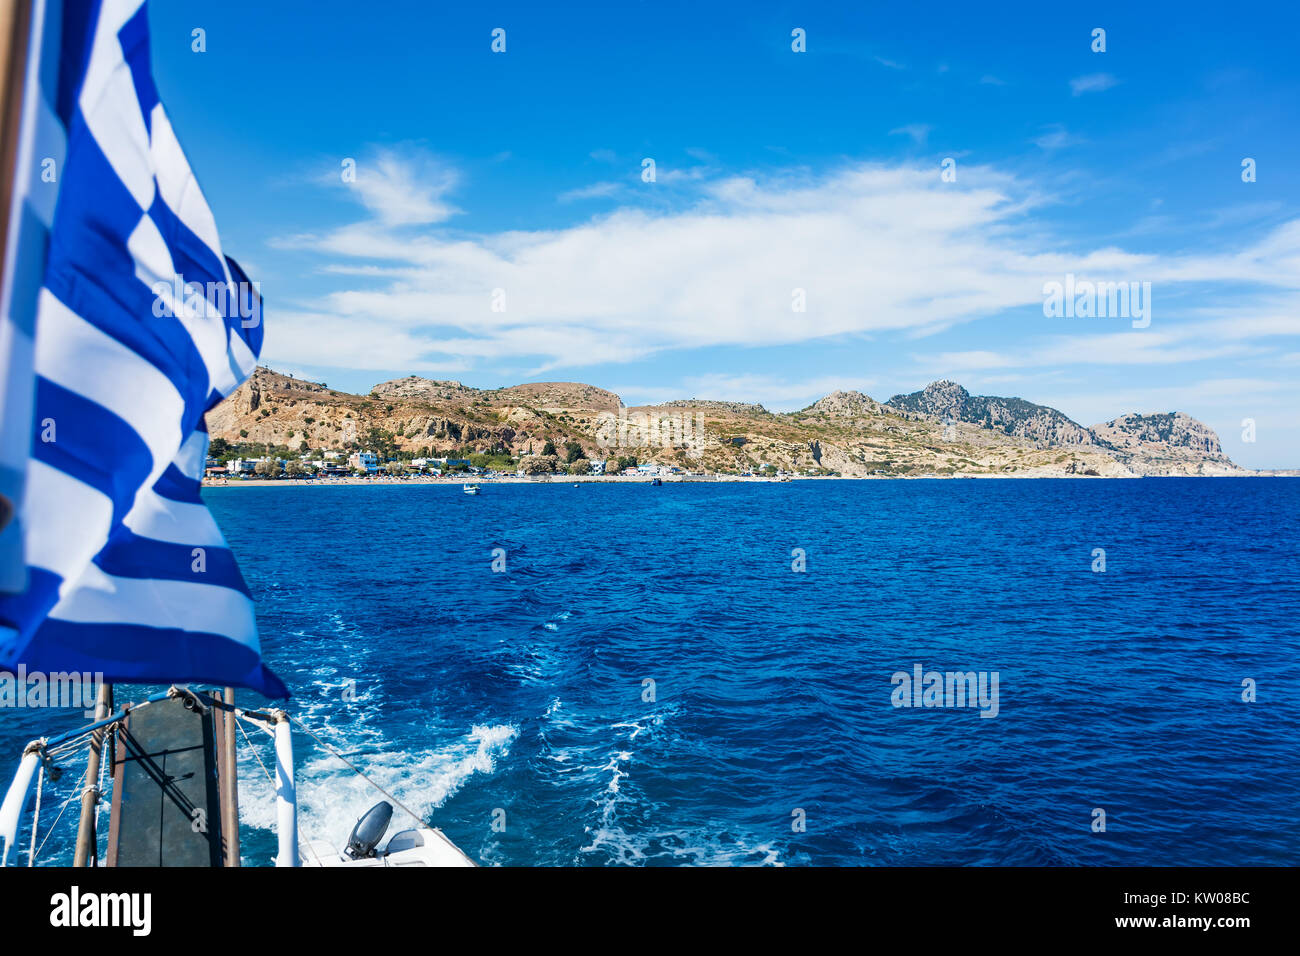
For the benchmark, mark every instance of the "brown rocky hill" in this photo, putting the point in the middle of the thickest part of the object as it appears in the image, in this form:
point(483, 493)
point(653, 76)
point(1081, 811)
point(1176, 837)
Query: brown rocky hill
point(1168, 443)
point(545, 396)
point(942, 430)
point(1014, 416)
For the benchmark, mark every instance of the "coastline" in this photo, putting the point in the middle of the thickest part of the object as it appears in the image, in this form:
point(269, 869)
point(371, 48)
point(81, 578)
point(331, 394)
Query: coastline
point(685, 479)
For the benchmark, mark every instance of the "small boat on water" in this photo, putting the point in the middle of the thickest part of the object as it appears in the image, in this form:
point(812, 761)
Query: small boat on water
point(471, 489)
point(656, 481)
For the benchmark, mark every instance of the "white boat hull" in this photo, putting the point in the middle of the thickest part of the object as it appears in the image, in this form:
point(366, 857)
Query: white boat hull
point(424, 846)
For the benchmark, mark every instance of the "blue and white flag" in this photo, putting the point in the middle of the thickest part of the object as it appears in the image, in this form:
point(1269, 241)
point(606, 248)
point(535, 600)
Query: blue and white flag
point(141, 326)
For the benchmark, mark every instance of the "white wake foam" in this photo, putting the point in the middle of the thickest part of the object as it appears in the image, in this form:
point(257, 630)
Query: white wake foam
point(331, 796)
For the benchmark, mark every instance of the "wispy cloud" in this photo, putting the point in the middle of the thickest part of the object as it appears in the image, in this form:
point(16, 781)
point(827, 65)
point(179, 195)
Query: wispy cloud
point(1246, 212)
point(1192, 337)
point(1055, 136)
point(1092, 83)
point(601, 190)
point(918, 131)
point(691, 174)
point(890, 64)
point(874, 249)
point(772, 392)
point(403, 187)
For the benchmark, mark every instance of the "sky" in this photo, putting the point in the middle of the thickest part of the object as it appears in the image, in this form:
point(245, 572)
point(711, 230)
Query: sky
point(887, 207)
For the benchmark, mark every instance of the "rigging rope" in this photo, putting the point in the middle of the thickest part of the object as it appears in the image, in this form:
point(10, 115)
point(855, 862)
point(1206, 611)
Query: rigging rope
point(85, 740)
point(251, 746)
point(76, 795)
point(47, 757)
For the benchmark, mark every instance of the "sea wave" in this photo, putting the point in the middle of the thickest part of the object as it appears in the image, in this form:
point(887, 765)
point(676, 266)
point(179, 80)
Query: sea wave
point(332, 796)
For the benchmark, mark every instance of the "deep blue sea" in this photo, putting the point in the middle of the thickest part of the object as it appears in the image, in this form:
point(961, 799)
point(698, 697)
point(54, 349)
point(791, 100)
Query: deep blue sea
point(519, 696)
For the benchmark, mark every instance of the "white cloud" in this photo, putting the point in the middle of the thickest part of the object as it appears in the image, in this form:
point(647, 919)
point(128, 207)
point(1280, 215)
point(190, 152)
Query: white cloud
point(601, 190)
point(918, 132)
point(774, 394)
point(1220, 398)
point(1055, 136)
point(404, 188)
point(327, 340)
point(875, 249)
point(1092, 83)
point(691, 174)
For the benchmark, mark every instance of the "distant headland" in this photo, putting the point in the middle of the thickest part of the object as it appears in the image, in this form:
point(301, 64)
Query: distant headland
point(571, 428)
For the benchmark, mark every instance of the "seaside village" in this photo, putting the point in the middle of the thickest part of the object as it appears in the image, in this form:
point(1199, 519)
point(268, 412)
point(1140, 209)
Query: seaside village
point(222, 467)
point(367, 464)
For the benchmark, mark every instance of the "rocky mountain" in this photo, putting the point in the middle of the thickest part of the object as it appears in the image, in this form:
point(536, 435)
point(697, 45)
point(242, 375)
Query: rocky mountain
point(737, 407)
point(946, 400)
point(940, 430)
point(1173, 430)
point(550, 396)
point(846, 404)
point(1168, 443)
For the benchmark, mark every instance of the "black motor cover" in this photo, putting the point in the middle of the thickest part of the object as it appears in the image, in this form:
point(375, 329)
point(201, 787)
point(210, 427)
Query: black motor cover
point(370, 829)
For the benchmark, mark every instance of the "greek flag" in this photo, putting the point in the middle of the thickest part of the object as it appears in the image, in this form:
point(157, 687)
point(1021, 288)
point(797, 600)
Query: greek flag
point(139, 326)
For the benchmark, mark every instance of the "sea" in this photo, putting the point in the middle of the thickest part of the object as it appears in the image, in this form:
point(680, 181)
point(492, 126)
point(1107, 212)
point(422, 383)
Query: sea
point(725, 673)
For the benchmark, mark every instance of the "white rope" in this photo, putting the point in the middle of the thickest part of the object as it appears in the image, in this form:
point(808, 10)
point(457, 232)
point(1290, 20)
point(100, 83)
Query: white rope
point(79, 742)
point(256, 755)
point(76, 795)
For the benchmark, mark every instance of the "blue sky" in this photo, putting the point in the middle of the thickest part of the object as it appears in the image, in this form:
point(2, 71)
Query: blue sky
point(775, 171)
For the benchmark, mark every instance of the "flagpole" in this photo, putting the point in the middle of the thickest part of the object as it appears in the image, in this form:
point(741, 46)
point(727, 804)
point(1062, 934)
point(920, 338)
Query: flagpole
point(87, 838)
point(15, 31)
point(230, 782)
